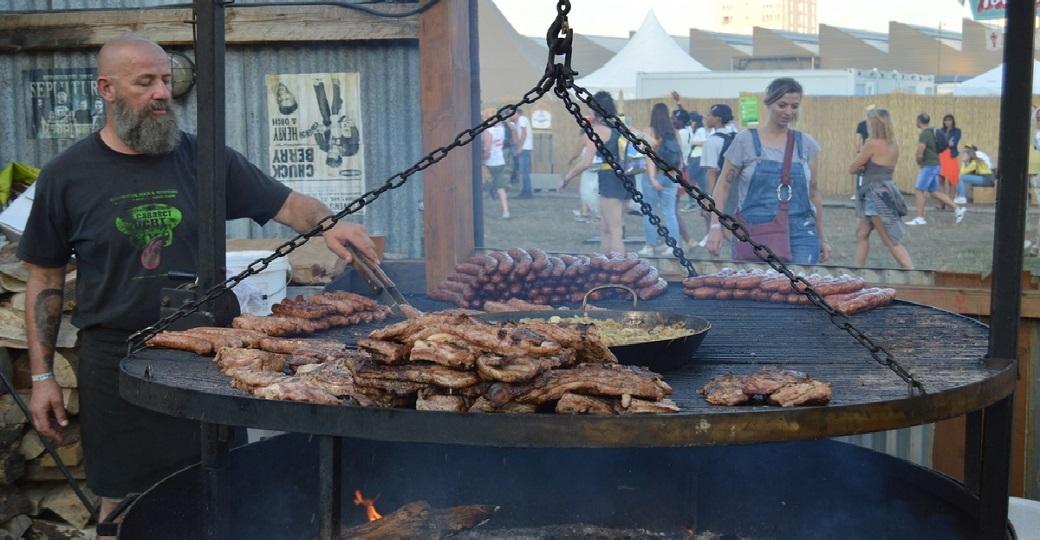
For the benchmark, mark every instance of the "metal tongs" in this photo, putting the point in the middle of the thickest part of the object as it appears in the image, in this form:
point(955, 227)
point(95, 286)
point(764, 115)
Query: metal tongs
point(380, 283)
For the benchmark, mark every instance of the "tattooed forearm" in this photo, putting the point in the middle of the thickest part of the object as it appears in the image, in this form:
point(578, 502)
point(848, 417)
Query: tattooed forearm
point(731, 176)
point(47, 318)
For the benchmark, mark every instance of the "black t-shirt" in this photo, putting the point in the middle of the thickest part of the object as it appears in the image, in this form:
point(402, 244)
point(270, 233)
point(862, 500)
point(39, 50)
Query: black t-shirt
point(130, 219)
point(861, 130)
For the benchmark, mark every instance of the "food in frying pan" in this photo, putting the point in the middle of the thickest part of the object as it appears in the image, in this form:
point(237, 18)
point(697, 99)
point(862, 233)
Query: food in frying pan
point(615, 333)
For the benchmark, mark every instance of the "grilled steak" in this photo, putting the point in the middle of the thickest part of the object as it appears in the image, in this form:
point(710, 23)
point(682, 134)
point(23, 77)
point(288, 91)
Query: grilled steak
point(578, 404)
point(786, 388)
point(725, 390)
point(595, 379)
point(384, 352)
point(768, 380)
point(428, 401)
point(290, 346)
point(230, 359)
point(802, 393)
point(445, 354)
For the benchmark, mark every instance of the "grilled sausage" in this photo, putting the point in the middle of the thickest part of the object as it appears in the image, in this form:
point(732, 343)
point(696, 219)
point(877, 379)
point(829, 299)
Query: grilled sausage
point(648, 279)
point(447, 296)
point(702, 292)
point(469, 268)
point(724, 294)
point(742, 294)
point(539, 260)
point(636, 273)
point(505, 262)
point(656, 289)
point(598, 261)
point(558, 267)
point(468, 279)
point(182, 342)
point(522, 259)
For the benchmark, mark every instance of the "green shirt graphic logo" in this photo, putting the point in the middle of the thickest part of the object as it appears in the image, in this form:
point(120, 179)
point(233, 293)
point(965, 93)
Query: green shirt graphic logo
point(150, 227)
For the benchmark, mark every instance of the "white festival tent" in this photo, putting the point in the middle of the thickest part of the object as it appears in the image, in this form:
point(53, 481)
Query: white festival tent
point(650, 50)
point(990, 82)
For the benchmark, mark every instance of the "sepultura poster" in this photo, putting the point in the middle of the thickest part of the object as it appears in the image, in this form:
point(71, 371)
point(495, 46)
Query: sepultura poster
point(316, 136)
point(64, 103)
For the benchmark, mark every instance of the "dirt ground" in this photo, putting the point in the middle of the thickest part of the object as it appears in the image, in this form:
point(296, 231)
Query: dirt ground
point(547, 221)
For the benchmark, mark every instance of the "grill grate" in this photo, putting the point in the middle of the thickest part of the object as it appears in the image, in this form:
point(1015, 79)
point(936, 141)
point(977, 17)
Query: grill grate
point(943, 349)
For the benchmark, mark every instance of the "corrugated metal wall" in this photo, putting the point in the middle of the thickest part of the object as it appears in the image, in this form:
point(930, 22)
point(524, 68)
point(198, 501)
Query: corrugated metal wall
point(389, 79)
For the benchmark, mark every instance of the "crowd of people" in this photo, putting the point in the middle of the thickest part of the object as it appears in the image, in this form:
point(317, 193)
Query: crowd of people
point(764, 176)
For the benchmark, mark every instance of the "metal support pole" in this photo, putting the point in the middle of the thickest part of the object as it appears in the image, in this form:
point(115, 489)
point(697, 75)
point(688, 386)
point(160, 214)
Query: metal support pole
point(475, 115)
point(972, 450)
point(211, 161)
point(1009, 232)
point(330, 482)
point(216, 441)
point(995, 468)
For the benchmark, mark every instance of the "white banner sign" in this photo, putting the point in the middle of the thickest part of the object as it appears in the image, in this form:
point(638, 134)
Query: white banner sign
point(316, 135)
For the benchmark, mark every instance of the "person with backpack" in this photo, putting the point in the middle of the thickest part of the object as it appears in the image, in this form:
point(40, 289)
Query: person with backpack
point(928, 176)
point(659, 191)
point(720, 120)
point(773, 172)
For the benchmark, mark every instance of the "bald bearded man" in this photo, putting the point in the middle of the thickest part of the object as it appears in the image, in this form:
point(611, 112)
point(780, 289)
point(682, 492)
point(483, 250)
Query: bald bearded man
point(124, 201)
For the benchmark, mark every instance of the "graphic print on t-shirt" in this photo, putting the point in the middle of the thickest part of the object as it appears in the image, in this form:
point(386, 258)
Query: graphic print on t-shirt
point(148, 227)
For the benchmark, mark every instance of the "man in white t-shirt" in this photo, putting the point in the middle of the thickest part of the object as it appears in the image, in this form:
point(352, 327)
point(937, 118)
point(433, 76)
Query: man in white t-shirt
point(720, 121)
point(523, 144)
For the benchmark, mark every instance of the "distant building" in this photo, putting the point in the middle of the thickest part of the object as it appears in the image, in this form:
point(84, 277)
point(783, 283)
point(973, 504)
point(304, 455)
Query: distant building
point(816, 82)
point(741, 16)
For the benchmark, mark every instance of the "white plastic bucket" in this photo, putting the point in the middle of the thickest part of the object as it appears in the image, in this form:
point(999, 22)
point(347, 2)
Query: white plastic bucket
point(1025, 516)
point(256, 294)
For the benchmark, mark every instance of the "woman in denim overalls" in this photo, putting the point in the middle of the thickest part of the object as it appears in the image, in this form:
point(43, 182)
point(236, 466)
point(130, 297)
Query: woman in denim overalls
point(756, 158)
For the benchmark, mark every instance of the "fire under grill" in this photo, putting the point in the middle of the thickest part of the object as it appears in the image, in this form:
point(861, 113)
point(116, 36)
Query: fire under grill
point(803, 490)
point(655, 471)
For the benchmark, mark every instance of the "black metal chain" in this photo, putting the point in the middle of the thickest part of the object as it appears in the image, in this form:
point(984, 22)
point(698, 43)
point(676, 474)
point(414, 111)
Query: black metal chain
point(565, 83)
point(138, 339)
point(559, 77)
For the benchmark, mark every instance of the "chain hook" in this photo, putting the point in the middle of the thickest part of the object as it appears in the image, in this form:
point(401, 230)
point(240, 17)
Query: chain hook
point(559, 40)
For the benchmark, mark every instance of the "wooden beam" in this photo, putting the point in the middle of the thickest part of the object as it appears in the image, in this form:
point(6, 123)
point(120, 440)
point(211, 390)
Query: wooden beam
point(172, 26)
point(966, 301)
point(444, 72)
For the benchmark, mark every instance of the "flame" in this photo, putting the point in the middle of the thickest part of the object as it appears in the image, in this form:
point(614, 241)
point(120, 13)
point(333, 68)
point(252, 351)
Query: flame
point(688, 533)
point(369, 504)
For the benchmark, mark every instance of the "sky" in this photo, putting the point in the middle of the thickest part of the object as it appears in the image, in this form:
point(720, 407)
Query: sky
point(618, 17)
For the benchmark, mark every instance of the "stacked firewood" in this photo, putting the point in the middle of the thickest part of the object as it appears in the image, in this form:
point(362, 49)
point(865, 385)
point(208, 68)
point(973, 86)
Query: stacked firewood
point(445, 361)
point(535, 276)
point(846, 293)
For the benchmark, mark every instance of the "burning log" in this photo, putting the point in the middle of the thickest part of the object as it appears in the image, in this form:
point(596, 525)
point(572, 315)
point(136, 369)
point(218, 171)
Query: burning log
point(417, 520)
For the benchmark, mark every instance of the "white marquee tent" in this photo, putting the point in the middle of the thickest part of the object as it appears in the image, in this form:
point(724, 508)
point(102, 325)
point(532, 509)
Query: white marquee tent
point(650, 50)
point(990, 82)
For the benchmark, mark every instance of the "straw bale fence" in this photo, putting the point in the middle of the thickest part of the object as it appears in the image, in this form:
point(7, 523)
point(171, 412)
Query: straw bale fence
point(831, 120)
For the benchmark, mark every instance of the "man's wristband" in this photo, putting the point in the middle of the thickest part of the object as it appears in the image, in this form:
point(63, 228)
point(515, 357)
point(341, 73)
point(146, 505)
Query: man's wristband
point(715, 226)
point(43, 377)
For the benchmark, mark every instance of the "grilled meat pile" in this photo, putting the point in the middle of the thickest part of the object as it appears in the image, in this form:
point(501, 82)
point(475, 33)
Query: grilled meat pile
point(846, 293)
point(534, 276)
point(464, 364)
point(446, 361)
point(783, 387)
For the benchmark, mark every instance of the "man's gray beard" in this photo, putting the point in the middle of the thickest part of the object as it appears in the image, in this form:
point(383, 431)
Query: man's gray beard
point(145, 133)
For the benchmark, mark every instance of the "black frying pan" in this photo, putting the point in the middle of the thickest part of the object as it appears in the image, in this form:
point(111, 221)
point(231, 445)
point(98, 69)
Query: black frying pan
point(660, 355)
